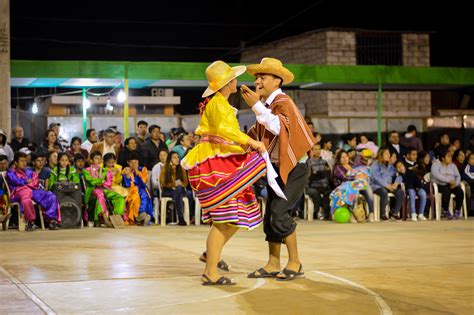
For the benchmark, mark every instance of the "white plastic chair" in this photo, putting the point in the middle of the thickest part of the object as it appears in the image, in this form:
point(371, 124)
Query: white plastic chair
point(308, 213)
point(377, 206)
point(164, 201)
point(438, 199)
point(263, 204)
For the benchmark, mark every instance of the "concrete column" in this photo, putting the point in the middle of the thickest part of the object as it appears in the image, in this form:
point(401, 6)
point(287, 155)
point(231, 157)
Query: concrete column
point(5, 107)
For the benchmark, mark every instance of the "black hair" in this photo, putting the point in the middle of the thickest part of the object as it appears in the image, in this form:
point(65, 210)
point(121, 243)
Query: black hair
point(153, 127)
point(19, 155)
point(127, 141)
point(133, 156)
point(411, 128)
point(411, 149)
point(142, 122)
point(94, 154)
point(79, 156)
point(442, 153)
point(74, 139)
point(3, 157)
point(35, 156)
point(109, 156)
point(179, 169)
point(60, 155)
point(88, 132)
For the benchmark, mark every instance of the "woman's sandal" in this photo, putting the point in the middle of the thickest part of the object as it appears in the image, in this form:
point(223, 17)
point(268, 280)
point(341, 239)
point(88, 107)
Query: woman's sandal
point(220, 281)
point(221, 264)
point(291, 275)
point(262, 273)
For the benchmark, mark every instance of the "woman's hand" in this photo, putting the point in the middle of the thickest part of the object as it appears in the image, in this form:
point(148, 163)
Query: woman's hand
point(257, 145)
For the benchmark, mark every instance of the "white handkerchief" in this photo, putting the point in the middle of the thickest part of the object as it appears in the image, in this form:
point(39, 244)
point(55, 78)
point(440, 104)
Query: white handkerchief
point(271, 177)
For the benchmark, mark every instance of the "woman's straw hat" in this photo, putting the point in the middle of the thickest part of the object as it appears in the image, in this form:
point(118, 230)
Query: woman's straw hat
point(219, 74)
point(272, 66)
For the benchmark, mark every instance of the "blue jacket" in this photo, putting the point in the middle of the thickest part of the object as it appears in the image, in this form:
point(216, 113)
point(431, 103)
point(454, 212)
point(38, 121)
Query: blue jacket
point(383, 175)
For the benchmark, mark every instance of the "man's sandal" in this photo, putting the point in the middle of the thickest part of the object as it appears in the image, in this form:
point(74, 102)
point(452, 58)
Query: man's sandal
point(220, 281)
point(290, 274)
point(222, 265)
point(262, 273)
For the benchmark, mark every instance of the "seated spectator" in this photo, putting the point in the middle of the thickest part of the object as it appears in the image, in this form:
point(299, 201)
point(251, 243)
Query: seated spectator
point(350, 142)
point(119, 139)
point(174, 180)
point(319, 186)
point(141, 133)
point(365, 143)
point(410, 140)
point(52, 159)
point(470, 145)
point(347, 193)
point(459, 159)
point(456, 144)
point(114, 183)
point(80, 164)
point(76, 148)
point(183, 144)
point(364, 158)
point(152, 147)
point(413, 186)
point(343, 172)
point(64, 145)
point(28, 153)
point(467, 175)
point(384, 180)
point(395, 146)
point(423, 165)
point(444, 144)
point(108, 145)
point(91, 135)
point(326, 152)
point(139, 204)
point(156, 171)
point(50, 143)
point(410, 158)
point(24, 186)
point(131, 145)
point(63, 172)
point(38, 166)
point(5, 149)
point(3, 189)
point(95, 176)
point(19, 141)
point(445, 173)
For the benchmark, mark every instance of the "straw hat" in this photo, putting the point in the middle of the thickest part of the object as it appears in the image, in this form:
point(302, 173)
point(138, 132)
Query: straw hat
point(272, 66)
point(219, 74)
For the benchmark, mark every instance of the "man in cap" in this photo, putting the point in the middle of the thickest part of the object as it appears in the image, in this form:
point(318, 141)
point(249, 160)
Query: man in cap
point(288, 140)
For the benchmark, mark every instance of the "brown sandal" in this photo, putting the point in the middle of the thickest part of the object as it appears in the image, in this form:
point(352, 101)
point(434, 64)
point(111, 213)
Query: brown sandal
point(220, 281)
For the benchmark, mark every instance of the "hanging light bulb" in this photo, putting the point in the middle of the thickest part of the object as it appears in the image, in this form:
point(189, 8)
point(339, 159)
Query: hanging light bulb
point(108, 106)
point(87, 103)
point(34, 107)
point(121, 96)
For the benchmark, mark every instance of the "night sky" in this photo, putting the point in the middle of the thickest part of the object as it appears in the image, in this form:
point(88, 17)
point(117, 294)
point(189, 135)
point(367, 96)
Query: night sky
point(211, 30)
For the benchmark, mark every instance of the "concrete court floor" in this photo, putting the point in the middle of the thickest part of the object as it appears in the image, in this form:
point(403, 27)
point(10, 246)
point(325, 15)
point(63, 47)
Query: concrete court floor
point(377, 268)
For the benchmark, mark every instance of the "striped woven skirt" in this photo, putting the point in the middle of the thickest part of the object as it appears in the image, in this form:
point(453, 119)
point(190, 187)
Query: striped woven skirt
point(223, 187)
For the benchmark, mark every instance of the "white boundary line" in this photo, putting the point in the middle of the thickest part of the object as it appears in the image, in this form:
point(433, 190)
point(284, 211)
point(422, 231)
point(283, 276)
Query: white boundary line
point(28, 292)
point(381, 304)
point(260, 282)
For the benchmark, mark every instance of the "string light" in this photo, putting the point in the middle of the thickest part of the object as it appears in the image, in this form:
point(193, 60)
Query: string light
point(34, 108)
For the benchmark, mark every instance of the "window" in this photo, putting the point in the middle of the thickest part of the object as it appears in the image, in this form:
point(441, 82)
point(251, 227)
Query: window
point(379, 49)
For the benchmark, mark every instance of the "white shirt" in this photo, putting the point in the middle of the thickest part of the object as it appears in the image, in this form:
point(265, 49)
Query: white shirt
point(155, 175)
point(108, 149)
point(265, 116)
point(397, 147)
point(87, 145)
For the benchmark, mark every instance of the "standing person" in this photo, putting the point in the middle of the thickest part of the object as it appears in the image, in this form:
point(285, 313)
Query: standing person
point(395, 146)
point(410, 140)
point(220, 171)
point(183, 144)
point(141, 132)
point(106, 146)
point(91, 135)
point(152, 147)
point(288, 140)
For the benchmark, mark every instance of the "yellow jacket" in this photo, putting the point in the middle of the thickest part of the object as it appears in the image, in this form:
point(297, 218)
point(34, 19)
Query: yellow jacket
point(219, 119)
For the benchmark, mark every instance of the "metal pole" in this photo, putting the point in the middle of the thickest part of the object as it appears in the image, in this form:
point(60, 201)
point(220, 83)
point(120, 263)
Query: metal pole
point(125, 105)
point(379, 114)
point(84, 115)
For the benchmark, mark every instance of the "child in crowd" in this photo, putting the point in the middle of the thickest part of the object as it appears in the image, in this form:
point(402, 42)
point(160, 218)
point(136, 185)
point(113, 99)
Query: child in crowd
point(413, 187)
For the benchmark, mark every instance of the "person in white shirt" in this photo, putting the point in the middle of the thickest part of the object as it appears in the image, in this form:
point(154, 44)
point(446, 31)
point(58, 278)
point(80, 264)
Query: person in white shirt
point(91, 139)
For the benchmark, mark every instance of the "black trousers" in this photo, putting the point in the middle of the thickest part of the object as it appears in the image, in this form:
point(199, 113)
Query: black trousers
point(446, 192)
point(278, 222)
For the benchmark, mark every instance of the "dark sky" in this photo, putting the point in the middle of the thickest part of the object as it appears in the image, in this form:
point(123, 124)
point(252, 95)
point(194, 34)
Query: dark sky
point(210, 30)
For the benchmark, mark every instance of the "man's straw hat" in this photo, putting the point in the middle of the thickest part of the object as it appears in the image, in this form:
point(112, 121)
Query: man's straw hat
point(272, 66)
point(219, 74)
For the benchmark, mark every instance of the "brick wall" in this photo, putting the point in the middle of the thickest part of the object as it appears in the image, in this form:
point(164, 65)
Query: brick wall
point(416, 50)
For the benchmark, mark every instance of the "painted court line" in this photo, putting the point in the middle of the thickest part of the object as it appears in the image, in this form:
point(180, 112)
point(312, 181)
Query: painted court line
point(28, 292)
point(381, 304)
